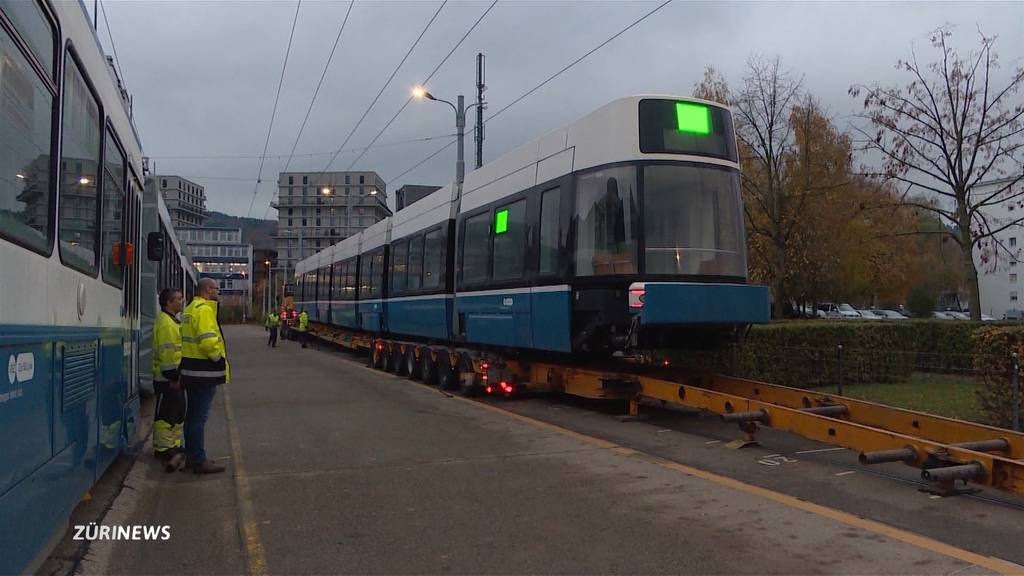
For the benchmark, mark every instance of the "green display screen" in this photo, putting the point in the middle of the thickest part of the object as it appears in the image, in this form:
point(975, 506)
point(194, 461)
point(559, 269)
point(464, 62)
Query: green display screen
point(501, 221)
point(669, 126)
point(693, 118)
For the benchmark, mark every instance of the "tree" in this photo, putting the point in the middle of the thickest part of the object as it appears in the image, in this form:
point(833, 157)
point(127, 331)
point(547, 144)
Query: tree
point(943, 133)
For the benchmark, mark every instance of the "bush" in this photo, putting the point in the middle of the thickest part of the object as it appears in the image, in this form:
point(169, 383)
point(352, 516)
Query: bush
point(921, 302)
point(993, 347)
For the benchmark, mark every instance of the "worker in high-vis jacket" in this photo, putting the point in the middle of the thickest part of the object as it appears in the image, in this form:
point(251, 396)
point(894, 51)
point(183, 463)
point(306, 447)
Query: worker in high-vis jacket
point(272, 323)
point(303, 327)
point(169, 417)
point(204, 366)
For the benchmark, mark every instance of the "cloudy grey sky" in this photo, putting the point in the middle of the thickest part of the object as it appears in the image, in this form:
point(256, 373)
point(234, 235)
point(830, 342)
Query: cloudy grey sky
point(204, 74)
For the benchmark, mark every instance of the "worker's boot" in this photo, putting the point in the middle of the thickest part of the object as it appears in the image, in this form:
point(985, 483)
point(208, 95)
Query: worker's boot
point(175, 462)
point(207, 467)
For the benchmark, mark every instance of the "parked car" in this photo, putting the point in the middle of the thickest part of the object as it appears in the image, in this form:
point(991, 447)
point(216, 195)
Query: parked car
point(1013, 314)
point(987, 318)
point(890, 315)
point(958, 315)
point(942, 315)
point(870, 314)
point(848, 312)
point(829, 310)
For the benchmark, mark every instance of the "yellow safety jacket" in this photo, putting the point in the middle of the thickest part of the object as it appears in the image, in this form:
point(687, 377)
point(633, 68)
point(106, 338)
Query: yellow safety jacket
point(303, 321)
point(166, 347)
point(272, 321)
point(203, 357)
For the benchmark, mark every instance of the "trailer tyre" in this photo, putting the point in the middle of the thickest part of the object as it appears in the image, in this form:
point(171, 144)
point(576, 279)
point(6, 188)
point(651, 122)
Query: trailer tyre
point(428, 368)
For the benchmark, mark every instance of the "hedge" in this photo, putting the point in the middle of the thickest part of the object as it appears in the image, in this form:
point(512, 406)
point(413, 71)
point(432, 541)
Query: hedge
point(993, 347)
point(805, 353)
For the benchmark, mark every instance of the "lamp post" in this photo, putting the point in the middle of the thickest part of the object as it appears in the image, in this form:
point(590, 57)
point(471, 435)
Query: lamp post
point(300, 241)
point(460, 126)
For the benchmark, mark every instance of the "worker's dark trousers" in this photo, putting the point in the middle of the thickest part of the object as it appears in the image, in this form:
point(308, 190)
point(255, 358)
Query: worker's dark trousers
point(273, 336)
point(303, 338)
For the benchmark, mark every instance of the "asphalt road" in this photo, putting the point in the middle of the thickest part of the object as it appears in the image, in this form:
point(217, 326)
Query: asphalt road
point(334, 468)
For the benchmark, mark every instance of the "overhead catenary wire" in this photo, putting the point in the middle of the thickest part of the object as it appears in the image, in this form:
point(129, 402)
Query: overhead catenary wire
point(542, 84)
point(113, 48)
point(273, 114)
point(316, 92)
point(431, 75)
point(284, 155)
point(384, 87)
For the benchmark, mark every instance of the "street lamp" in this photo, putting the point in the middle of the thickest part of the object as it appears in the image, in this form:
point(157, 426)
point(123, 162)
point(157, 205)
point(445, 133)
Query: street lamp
point(460, 125)
point(325, 190)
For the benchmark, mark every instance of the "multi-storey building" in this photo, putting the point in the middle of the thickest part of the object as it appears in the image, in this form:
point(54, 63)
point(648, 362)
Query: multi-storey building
point(219, 253)
point(1000, 272)
point(185, 200)
point(316, 210)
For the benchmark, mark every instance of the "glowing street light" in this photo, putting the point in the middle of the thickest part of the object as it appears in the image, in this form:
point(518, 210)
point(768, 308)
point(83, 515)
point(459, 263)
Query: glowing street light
point(83, 181)
point(326, 190)
point(20, 176)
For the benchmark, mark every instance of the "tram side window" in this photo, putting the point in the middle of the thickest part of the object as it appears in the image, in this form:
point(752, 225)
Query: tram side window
point(549, 211)
point(365, 277)
point(474, 248)
point(338, 281)
point(113, 204)
point(606, 222)
point(324, 287)
point(80, 159)
point(509, 241)
point(433, 259)
point(350, 279)
point(26, 117)
point(415, 262)
point(399, 266)
point(378, 273)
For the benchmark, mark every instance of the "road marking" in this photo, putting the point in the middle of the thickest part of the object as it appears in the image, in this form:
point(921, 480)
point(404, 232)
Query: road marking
point(255, 561)
point(819, 450)
point(847, 473)
point(994, 564)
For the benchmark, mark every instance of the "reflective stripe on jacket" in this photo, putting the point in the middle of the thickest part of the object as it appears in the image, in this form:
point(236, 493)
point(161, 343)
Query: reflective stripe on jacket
point(303, 322)
point(166, 348)
point(203, 357)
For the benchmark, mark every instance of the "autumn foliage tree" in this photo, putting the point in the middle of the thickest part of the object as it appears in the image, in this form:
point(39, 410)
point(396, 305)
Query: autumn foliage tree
point(949, 128)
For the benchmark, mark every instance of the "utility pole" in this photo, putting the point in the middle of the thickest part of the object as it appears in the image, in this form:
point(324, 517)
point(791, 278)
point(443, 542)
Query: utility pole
point(480, 87)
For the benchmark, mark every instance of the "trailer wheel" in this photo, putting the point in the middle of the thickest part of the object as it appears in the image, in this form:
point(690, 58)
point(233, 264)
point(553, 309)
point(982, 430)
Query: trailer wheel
point(466, 377)
point(389, 358)
point(412, 365)
point(428, 368)
point(447, 375)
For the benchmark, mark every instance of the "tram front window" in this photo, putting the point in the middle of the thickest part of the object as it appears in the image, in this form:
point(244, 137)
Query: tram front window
point(606, 222)
point(692, 222)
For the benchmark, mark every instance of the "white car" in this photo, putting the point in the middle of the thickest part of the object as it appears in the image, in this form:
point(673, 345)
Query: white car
point(870, 315)
point(958, 315)
point(848, 312)
point(890, 315)
point(940, 315)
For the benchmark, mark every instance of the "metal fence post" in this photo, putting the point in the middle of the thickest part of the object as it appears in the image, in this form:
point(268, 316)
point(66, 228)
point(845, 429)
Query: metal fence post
point(839, 371)
point(1015, 383)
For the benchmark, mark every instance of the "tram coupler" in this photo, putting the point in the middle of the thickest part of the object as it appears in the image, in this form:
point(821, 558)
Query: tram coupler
point(908, 455)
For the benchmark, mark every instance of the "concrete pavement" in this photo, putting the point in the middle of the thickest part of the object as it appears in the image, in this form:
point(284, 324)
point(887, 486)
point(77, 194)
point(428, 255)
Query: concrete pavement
point(348, 470)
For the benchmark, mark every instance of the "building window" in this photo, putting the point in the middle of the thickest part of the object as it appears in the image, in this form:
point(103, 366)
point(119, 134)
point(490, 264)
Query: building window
point(163, 183)
point(304, 222)
point(1013, 296)
point(347, 181)
point(1013, 241)
point(290, 211)
point(291, 180)
point(362, 179)
point(1013, 278)
point(305, 180)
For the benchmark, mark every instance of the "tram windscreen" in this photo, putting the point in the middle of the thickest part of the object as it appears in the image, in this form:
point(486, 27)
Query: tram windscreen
point(681, 127)
point(693, 223)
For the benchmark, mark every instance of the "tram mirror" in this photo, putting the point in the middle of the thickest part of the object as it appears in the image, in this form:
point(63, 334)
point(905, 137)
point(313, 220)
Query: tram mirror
point(155, 246)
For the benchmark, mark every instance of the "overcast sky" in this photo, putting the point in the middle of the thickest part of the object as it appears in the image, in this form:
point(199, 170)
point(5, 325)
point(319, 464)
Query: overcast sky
point(204, 74)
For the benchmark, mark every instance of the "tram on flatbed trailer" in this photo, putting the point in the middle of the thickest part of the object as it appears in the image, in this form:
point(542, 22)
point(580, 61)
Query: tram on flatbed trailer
point(84, 247)
point(556, 263)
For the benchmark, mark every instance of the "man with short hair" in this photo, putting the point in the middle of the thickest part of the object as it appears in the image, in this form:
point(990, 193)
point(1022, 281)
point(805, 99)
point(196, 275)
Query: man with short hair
point(204, 366)
point(169, 416)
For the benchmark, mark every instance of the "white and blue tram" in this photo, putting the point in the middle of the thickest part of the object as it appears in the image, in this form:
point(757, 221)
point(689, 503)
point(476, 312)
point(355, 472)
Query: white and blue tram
point(622, 230)
point(77, 285)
